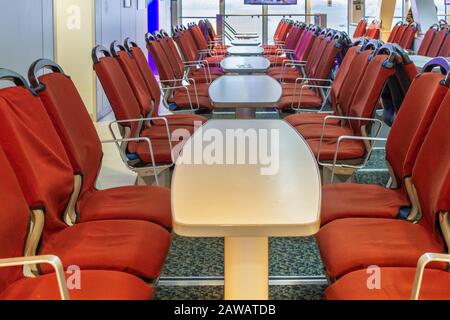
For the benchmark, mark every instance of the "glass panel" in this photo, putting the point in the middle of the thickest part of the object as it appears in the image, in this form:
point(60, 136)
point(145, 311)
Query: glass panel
point(398, 13)
point(440, 5)
point(372, 9)
point(299, 8)
point(200, 9)
point(244, 24)
point(336, 11)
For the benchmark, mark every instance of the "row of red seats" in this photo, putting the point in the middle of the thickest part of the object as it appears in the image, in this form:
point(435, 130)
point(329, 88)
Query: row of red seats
point(401, 231)
point(342, 140)
point(403, 34)
point(371, 31)
point(50, 159)
point(134, 95)
point(436, 42)
point(279, 38)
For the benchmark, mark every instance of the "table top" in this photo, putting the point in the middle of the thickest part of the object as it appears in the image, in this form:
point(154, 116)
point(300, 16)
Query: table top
point(235, 200)
point(245, 51)
point(246, 36)
point(236, 64)
point(245, 91)
point(246, 42)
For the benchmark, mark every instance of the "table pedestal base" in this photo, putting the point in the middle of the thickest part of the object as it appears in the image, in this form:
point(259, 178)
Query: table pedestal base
point(246, 269)
point(245, 113)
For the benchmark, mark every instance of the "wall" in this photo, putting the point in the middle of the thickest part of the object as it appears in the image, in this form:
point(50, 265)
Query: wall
point(74, 40)
point(115, 22)
point(26, 33)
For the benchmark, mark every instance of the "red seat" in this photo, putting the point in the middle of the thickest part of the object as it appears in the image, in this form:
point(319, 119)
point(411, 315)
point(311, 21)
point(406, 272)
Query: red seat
point(97, 285)
point(360, 30)
point(81, 142)
point(427, 40)
point(398, 243)
point(346, 200)
point(396, 284)
point(46, 177)
point(394, 31)
point(437, 43)
point(406, 135)
point(406, 42)
point(14, 225)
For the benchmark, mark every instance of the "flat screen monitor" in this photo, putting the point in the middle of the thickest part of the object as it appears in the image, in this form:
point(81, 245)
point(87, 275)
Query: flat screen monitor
point(273, 2)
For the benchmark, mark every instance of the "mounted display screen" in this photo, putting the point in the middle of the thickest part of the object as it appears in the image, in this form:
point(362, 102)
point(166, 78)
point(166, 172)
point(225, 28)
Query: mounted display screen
point(271, 2)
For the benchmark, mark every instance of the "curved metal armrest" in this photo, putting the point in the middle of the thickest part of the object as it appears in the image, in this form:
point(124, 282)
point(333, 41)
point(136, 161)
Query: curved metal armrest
point(298, 108)
point(313, 79)
point(423, 262)
point(54, 261)
point(190, 81)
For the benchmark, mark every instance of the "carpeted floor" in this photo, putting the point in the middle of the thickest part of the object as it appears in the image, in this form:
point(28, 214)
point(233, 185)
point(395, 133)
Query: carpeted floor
point(289, 257)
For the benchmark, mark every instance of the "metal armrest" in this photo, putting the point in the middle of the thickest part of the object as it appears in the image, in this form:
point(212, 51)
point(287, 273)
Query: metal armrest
point(185, 87)
point(298, 109)
point(313, 79)
point(54, 261)
point(423, 262)
point(138, 139)
point(343, 138)
point(204, 64)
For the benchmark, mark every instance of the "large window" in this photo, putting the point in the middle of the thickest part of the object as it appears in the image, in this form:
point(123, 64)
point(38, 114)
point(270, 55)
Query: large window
point(336, 11)
point(441, 9)
point(244, 24)
point(299, 8)
point(203, 9)
point(372, 8)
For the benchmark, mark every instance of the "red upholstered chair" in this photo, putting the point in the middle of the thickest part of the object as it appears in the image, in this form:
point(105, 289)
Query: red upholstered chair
point(394, 32)
point(373, 30)
point(14, 230)
point(445, 48)
point(407, 40)
point(396, 245)
point(406, 136)
point(150, 148)
point(312, 91)
point(427, 40)
point(79, 136)
point(288, 49)
point(46, 177)
point(352, 67)
point(399, 35)
point(436, 44)
point(360, 30)
point(279, 36)
point(301, 53)
point(138, 57)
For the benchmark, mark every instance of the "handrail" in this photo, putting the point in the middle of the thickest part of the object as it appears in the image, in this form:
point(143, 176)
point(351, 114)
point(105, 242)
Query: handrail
point(255, 15)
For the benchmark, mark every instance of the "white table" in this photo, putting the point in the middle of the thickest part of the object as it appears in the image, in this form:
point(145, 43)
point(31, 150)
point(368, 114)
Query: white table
point(246, 42)
point(245, 93)
point(246, 36)
point(245, 65)
point(245, 207)
point(245, 51)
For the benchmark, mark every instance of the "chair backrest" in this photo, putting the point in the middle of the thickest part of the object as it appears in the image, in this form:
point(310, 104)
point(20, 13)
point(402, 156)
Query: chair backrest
point(135, 79)
point(360, 30)
point(381, 66)
point(280, 25)
point(197, 35)
point(305, 45)
point(407, 39)
point(352, 80)
point(293, 37)
point(14, 221)
point(189, 53)
point(70, 118)
point(437, 43)
point(399, 35)
point(431, 173)
point(333, 47)
point(117, 88)
point(160, 59)
point(174, 60)
point(427, 40)
point(147, 74)
point(37, 155)
point(445, 48)
point(413, 121)
point(394, 32)
point(317, 50)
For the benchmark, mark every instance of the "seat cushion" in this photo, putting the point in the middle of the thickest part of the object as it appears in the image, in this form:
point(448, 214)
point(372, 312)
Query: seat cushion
point(348, 149)
point(347, 200)
point(136, 247)
point(396, 284)
point(289, 77)
point(312, 131)
point(370, 241)
point(161, 151)
point(160, 132)
point(182, 120)
point(202, 90)
point(302, 118)
point(147, 203)
point(307, 101)
point(182, 102)
point(95, 285)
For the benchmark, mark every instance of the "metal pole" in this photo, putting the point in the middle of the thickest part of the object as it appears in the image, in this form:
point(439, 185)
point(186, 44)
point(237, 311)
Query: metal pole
point(265, 24)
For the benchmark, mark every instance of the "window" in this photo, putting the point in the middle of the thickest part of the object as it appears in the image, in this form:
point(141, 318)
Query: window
point(200, 9)
point(372, 9)
point(336, 11)
point(244, 24)
point(299, 8)
point(441, 7)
